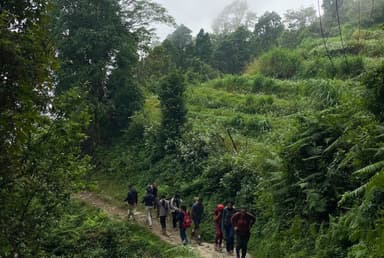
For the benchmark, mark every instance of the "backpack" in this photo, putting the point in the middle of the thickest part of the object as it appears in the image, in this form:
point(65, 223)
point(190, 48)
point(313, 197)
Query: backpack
point(165, 205)
point(187, 222)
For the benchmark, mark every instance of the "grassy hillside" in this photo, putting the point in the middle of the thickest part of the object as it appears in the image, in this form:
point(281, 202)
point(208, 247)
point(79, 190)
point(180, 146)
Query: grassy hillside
point(287, 147)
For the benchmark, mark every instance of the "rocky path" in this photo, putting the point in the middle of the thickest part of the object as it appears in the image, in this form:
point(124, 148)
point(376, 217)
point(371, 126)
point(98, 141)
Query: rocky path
point(205, 250)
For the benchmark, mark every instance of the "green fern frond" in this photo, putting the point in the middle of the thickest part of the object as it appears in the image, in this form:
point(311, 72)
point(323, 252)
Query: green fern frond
point(352, 194)
point(375, 181)
point(368, 170)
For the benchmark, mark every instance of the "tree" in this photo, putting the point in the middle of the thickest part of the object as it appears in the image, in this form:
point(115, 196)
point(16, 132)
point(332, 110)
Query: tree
point(232, 17)
point(98, 43)
point(203, 46)
point(233, 52)
point(182, 45)
point(172, 108)
point(39, 134)
point(267, 31)
point(155, 65)
point(300, 19)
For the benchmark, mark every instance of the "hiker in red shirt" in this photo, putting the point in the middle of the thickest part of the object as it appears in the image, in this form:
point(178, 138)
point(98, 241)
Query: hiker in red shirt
point(242, 222)
point(217, 217)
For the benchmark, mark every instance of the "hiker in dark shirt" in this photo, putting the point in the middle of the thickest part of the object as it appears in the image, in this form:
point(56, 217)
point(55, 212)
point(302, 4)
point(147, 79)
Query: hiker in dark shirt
point(175, 205)
point(242, 222)
point(227, 227)
point(154, 192)
point(148, 202)
point(131, 200)
point(197, 215)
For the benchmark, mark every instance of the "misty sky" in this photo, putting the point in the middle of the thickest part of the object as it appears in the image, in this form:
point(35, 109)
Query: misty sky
point(197, 14)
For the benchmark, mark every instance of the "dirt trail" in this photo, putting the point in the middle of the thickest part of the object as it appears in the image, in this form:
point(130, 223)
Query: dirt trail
point(206, 250)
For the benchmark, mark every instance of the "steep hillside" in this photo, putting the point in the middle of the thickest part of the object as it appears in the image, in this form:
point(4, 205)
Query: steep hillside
point(288, 148)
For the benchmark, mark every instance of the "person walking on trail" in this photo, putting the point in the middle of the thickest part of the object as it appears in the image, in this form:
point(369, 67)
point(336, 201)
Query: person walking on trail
point(242, 222)
point(227, 227)
point(148, 202)
point(217, 218)
point(175, 205)
point(163, 207)
point(197, 213)
point(154, 192)
point(185, 221)
point(131, 200)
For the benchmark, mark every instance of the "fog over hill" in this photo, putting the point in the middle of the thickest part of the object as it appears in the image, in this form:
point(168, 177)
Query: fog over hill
point(197, 14)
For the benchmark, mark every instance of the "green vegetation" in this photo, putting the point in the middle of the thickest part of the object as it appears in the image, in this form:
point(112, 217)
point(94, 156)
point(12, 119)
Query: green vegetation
point(273, 112)
point(84, 232)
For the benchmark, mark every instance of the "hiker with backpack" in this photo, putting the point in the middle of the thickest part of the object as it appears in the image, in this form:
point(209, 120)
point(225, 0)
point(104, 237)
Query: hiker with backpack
point(217, 217)
point(131, 200)
point(154, 192)
point(227, 227)
point(197, 213)
point(175, 205)
point(185, 221)
point(163, 207)
point(148, 201)
point(242, 222)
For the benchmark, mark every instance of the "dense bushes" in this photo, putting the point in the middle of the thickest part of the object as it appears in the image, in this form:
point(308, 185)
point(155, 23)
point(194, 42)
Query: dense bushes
point(340, 67)
point(374, 82)
point(84, 232)
point(277, 63)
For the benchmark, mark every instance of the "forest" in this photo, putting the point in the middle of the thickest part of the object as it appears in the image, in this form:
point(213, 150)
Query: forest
point(280, 112)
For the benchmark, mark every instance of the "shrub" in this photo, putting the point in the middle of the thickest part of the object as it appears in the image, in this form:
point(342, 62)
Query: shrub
point(264, 84)
point(341, 67)
point(233, 83)
point(249, 126)
point(374, 82)
point(253, 105)
point(280, 63)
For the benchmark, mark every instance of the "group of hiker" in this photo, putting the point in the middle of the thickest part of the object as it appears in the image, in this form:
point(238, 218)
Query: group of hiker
point(229, 222)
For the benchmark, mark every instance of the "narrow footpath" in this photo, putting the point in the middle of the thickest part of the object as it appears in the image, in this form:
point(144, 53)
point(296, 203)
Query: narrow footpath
point(206, 250)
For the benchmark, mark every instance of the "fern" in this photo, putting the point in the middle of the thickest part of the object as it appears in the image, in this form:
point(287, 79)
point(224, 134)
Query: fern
point(368, 170)
point(375, 181)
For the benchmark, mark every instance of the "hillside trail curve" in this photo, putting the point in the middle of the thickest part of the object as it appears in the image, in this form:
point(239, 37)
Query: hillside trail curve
point(205, 250)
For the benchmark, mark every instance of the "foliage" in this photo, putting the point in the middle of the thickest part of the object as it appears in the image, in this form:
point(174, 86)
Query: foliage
point(41, 161)
point(267, 31)
point(373, 81)
point(233, 52)
point(279, 63)
point(173, 109)
point(87, 232)
point(203, 46)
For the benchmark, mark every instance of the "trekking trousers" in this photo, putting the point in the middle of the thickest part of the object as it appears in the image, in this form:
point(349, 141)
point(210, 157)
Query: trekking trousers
point(241, 244)
point(163, 222)
point(149, 214)
point(219, 234)
point(131, 211)
point(174, 219)
point(183, 235)
point(229, 237)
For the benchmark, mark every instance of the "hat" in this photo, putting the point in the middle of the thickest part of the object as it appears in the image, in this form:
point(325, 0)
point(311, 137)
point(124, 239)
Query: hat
point(220, 206)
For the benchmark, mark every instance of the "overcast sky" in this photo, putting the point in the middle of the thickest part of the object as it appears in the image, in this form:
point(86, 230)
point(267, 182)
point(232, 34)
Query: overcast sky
point(197, 14)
